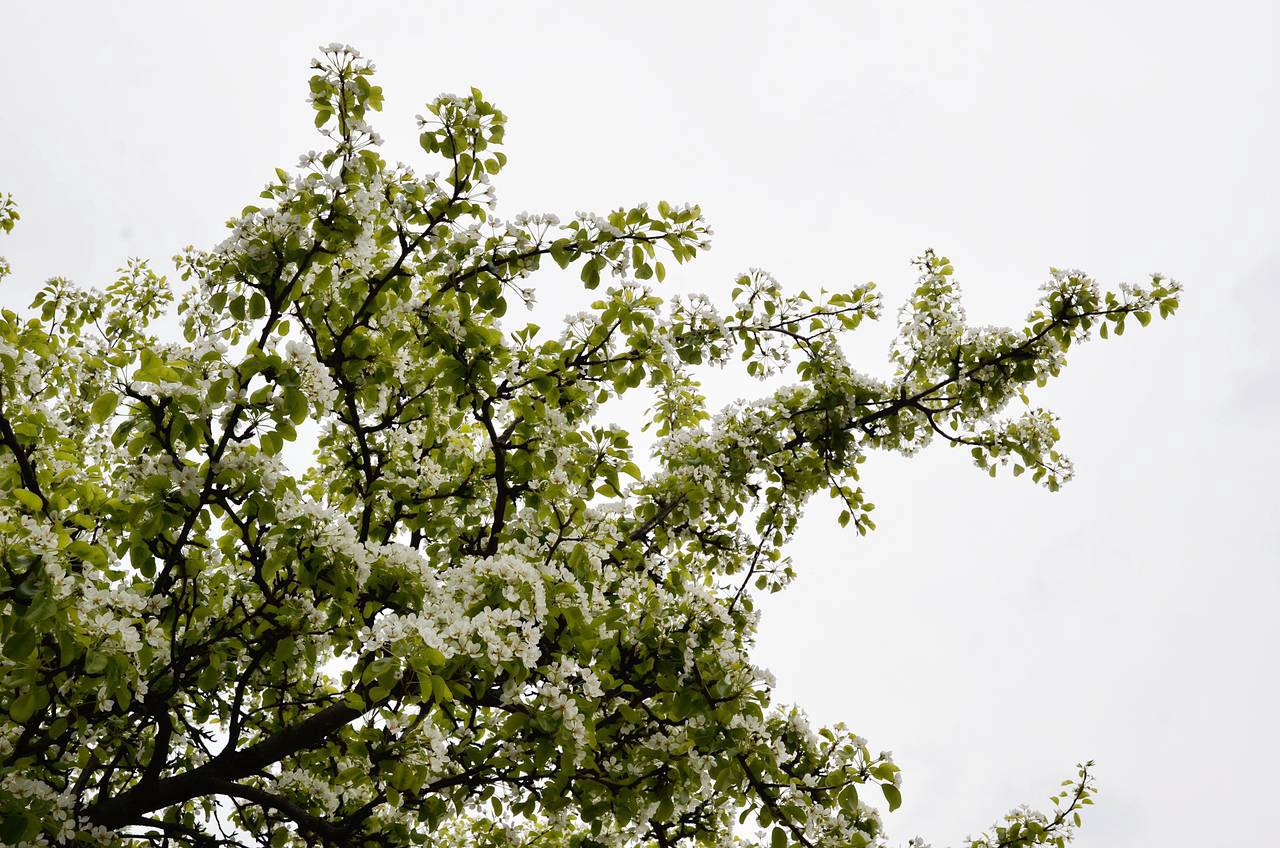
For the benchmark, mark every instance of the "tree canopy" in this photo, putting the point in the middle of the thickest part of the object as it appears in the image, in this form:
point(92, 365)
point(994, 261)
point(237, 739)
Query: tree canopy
point(474, 617)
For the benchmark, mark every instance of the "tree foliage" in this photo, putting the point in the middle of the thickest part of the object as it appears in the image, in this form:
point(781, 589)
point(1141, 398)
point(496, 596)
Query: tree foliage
point(475, 617)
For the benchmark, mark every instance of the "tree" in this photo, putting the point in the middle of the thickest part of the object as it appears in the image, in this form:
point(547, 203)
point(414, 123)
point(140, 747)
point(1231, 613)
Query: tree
point(474, 618)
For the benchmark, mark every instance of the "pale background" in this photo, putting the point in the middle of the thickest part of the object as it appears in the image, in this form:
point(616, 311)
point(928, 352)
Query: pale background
point(989, 633)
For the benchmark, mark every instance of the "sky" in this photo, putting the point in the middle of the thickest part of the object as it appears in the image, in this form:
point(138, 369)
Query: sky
point(989, 633)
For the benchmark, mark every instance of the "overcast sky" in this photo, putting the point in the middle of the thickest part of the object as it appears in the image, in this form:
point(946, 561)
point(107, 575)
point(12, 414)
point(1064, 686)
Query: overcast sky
point(989, 633)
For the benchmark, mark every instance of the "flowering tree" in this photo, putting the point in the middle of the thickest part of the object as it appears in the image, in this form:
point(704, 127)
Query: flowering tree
point(474, 618)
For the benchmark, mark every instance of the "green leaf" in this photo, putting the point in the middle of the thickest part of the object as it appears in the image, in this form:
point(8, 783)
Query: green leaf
point(29, 499)
point(93, 554)
point(14, 828)
point(141, 558)
point(20, 645)
point(778, 839)
point(892, 795)
point(23, 707)
point(104, 407)
point(591, 272)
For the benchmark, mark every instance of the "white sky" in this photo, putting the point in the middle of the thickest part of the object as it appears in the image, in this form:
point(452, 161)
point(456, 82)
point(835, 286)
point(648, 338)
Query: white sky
point(989, 633)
